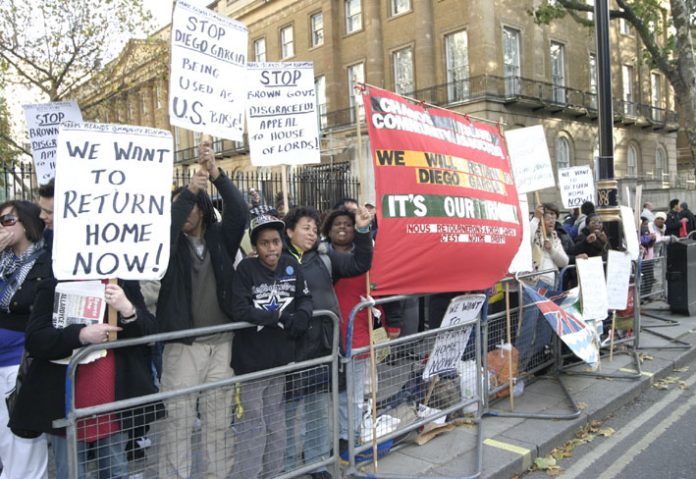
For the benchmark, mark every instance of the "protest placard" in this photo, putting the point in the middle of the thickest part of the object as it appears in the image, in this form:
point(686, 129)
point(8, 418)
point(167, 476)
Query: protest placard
point(448, 211)
point(207, 87)
point(630, 231)
point(577, 186)
point(522, 261)
point(618, 279)
point(112, 202)
point(529, 156)
point(593, 288)
point(43, 120)
point(450, 345)
point(282, 114)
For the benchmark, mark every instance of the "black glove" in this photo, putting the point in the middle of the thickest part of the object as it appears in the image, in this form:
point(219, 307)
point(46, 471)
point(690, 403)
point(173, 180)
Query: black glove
point(296, 324)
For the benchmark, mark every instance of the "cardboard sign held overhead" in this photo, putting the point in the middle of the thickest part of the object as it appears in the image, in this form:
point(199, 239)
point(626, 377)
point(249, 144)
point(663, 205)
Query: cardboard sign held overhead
point(208, 70)
point(112, 202)
point(529, 157)
point(43, 121)
point(282, 114)
point(522, 262)
point(577, 186)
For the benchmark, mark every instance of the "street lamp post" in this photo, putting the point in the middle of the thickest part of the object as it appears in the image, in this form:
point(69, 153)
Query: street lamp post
point(607, 190)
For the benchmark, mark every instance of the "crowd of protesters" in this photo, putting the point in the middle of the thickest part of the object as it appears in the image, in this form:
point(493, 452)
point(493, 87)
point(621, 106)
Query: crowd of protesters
point(270, 266)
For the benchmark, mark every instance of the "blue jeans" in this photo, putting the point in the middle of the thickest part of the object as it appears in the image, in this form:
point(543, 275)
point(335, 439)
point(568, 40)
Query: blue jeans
point(315, 440)
point(110, 453)
point(357, 379)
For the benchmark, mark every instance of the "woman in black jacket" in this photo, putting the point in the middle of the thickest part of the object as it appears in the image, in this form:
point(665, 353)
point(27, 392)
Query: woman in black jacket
point(592, 241)
point(123, 373)
point(24, 262)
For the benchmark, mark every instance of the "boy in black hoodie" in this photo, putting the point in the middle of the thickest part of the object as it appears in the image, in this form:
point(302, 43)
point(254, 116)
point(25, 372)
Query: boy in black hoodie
point(270, 292)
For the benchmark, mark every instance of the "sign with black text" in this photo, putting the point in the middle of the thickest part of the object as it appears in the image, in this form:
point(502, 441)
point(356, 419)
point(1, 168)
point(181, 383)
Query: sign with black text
point(208, 70)
point(577, 186)
point(43, 120)
point(530, 160)
point(282, 114)
point(112, 202)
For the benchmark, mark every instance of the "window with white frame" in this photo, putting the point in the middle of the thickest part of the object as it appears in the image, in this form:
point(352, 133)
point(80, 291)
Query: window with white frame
point(593, 81)
point(144, 106)
point(590, 15)
point(562, 152)
point(457, 60)
point(158, 95)
point(397, 7)
point(317, 25)
point(656, 97)
point(356, 74)
point(320, 89)
point(287, 42)
point(260, 50)
point(558, 75)
point(403, 71)
point(660, 162)
point(353, 16)
point(624, 27)
point(511, 60)
point(632, 161)
point(627, 84)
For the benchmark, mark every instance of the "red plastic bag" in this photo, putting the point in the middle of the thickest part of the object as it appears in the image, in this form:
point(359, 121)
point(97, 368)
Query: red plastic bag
point(683, 231)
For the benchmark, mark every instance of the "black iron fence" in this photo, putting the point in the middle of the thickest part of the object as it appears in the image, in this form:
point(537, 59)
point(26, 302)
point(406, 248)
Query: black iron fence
point(317, 186)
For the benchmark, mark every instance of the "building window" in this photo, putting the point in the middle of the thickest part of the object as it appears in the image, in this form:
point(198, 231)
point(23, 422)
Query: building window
point(632, 161)
point(660, 162)
point(656, 103)
point(397, 7)
point(403, 71)
point(353, 16)
point(197, 135)
point(144, 105)
point(457, 59)
point(624, 27)
point(317, 26)
point(260, 50)
point(627, 83)
point(132, 116)
point(558, 76)
point(177, 138)
point(158, 96)
point(356, 74)
point(320, 89)
point(590, 15)
point(511, 60)
point(593, 81)
point(287, 42)
point(562, 152)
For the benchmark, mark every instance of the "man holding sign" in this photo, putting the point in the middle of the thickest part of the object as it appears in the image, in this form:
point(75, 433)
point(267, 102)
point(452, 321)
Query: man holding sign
point(197, 292)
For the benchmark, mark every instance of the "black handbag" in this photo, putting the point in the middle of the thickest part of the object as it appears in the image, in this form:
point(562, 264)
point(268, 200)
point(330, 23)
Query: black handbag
point(11, 398)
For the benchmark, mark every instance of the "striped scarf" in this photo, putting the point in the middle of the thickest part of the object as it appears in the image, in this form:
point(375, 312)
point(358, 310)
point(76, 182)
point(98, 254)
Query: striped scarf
point(14, 270)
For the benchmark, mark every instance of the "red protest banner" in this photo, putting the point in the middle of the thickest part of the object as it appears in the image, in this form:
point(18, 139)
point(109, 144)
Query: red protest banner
point(448, 211)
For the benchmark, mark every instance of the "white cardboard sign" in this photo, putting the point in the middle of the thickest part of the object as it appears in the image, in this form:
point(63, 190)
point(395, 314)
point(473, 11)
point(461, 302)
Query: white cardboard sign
point(450, 345)
point(522, 262)
point(577, 186)
point(43, 121)
point(282, 114)
point(112, 202)
point(208, 70)
point(630, 232)
point(529, 158)
point(618, 279)
point(593, 286)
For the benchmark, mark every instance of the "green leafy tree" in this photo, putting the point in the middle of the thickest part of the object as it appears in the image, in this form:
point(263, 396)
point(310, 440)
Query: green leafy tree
point(667, 37)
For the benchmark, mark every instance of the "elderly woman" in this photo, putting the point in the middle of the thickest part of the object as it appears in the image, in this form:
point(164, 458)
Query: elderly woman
point(23, 264)
point(547, 248)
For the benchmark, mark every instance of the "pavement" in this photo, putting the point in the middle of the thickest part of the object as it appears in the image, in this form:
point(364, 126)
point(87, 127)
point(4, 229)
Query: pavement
point(511, 444)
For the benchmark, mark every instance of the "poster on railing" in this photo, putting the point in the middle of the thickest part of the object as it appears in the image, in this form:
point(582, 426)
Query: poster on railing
point(522, 262)
point(630, 232)
point(207, 87)
point(282, 114)
point(450, 345)
point(43, 121)
point(618, 279)
point(529, 156)
point(593, 288)
point(577, 186)
point(112, 202)
point(448, 212)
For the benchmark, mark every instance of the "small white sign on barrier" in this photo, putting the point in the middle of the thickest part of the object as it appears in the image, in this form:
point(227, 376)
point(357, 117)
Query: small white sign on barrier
point(450, 345)
point(618, 279)
point(593, 286)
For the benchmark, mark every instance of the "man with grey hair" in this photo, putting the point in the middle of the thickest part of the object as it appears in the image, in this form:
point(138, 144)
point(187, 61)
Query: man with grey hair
point(648, 212)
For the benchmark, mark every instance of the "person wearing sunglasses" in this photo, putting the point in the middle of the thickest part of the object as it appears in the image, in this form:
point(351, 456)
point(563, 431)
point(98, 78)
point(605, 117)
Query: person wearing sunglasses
point(24, 262)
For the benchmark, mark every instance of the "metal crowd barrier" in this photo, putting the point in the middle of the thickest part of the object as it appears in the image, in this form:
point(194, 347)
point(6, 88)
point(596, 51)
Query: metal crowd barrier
point(630, 340)
point(405, 401)
point(284, 390)
point(536, 348)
